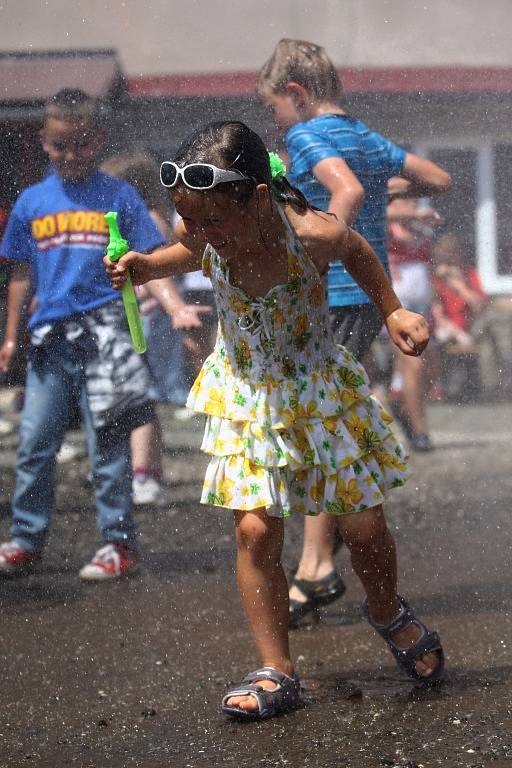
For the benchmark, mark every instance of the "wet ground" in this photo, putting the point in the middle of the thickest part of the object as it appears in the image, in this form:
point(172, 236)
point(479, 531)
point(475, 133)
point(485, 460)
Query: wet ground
point(131, 674)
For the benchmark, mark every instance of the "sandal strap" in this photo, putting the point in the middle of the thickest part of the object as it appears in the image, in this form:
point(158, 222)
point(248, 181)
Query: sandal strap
point(286, 695)
point(406, 657)
point(403, 619)
point(267, 673)
point(428, 642)
point(248, 690)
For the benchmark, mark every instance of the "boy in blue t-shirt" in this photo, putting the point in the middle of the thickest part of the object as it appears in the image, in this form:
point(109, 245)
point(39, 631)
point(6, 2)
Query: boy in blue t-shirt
point(80, 344)
point(342, 167)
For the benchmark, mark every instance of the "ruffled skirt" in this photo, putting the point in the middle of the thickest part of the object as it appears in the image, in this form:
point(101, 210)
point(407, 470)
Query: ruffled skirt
point(339, 462)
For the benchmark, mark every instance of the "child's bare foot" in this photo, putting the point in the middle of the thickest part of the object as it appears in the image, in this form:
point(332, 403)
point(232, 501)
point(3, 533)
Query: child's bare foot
point(249, 703)
point(406, 638)
point(407, 635)
point(272, 692)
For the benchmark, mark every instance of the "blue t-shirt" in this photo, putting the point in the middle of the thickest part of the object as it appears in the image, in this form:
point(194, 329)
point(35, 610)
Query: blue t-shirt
point(58, 227)
point(371, 158)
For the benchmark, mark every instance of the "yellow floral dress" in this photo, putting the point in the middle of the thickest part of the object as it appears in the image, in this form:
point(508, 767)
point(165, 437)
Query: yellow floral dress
point(291, 423)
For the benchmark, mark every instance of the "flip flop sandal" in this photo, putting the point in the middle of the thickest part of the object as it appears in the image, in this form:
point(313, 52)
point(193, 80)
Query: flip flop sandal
point(320, 592)
point(284, 698)
point(406, 658)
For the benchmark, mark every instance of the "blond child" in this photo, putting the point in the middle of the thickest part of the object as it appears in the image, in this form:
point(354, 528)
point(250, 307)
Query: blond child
point(342, 167)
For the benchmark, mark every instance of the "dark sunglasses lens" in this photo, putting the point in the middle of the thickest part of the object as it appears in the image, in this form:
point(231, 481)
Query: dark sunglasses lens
point(168, 174)
point(199, 176)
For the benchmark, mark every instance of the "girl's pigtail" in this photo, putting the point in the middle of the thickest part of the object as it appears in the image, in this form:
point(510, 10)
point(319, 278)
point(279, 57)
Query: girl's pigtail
point(281, 187)
point(284, 192)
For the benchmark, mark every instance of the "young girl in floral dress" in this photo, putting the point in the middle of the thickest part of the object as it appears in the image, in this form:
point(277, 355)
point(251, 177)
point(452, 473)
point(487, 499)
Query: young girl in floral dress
point(291, 423)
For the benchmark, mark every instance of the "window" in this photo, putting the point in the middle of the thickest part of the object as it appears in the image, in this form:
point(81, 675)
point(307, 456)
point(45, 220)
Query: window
point(458, 206)
point(479, 208)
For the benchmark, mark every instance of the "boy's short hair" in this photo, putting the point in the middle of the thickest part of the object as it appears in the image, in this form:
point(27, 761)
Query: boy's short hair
point(300, 62)
point(72, 105)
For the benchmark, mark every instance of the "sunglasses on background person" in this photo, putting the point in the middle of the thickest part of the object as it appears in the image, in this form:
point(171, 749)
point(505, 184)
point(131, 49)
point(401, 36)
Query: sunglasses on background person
point(197, 175)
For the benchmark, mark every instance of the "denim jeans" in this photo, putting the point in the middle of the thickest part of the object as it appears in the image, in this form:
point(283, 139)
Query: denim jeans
point(56, 377)
point(165, 359)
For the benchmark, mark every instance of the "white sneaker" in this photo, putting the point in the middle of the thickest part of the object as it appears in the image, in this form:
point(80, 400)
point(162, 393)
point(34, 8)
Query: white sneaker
point(147, 490)
point(113, 561)
point(67, 452)
point(15, 559)
point(6, 427)
point(183, 414)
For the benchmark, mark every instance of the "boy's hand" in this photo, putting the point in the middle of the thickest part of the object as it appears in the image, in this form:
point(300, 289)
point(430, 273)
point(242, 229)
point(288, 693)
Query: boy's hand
point(7, 352)
point(138, 263)
point(408, 330)
point(186, 316)
point(398, 188)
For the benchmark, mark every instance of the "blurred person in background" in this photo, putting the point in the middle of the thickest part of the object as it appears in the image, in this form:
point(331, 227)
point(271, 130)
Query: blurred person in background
point(459, 300)
point(410, 236)
point(80, 346)
point(458, 294)
point(198, 342)
point(165, 316)
point(5, 425)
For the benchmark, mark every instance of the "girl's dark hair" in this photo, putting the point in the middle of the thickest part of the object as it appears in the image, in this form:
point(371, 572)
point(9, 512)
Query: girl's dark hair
point(233, 145)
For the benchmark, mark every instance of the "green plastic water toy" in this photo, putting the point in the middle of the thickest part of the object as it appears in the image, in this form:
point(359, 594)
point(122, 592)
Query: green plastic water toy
point(116, 248)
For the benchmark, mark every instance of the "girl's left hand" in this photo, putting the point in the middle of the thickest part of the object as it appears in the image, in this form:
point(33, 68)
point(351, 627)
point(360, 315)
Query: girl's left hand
point(408, 330)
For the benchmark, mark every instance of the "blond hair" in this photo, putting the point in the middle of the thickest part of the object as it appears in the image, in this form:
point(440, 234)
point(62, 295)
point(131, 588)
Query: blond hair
point(300, 62)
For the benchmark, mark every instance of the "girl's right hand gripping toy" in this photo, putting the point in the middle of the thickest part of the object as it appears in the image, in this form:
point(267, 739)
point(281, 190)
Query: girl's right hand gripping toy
point(116, 248)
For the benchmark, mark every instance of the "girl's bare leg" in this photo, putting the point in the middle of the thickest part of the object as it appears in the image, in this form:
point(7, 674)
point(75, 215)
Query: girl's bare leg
point(264, 592)
point(373, 554)
point(316, 560)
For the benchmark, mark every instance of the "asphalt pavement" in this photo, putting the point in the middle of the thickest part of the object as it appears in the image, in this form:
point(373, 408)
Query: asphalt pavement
point(132, 673)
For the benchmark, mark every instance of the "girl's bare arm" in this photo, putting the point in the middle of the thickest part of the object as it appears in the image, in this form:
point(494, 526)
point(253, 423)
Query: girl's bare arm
point(408, 330)
point(364, 265)
point(167, 261)
point(331, 241)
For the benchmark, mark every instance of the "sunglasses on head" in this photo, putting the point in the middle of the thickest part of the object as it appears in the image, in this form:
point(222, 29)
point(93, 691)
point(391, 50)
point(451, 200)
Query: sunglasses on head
point(197, 175)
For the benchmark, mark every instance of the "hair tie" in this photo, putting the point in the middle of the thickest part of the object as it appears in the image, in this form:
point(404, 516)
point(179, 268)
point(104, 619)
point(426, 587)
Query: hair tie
point(277, 167)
